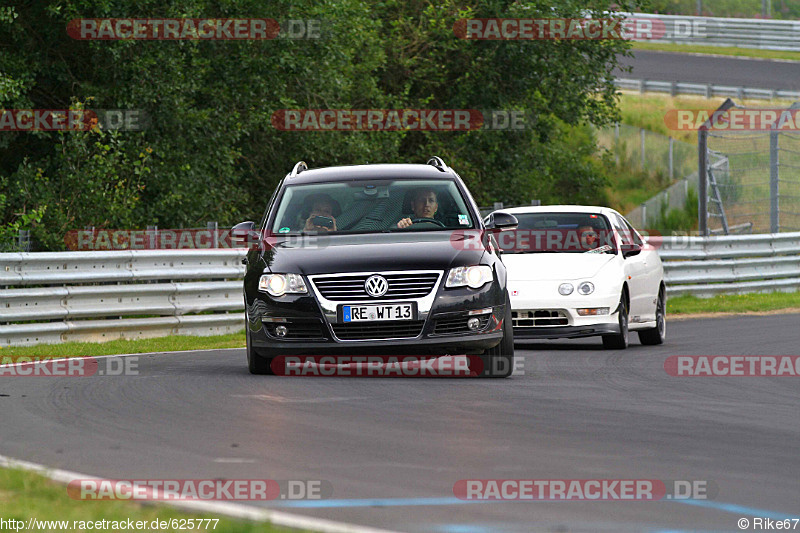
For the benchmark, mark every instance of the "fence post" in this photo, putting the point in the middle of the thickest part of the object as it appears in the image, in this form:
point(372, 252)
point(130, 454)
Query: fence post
point(616, 143)
point(702, 181)
point(152, 233)
point(644, 214)
point(213, 227)
point(774, 222)
point(671, 165)
point(641, 134)
point(24, 240)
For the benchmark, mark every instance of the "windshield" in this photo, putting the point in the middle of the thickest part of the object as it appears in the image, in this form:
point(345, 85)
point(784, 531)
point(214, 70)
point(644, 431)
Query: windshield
point(372, 207)
point(558, 233)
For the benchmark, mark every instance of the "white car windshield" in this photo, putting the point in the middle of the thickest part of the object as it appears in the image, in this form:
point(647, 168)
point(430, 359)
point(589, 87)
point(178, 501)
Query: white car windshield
point(543, 232)
point(372, 207)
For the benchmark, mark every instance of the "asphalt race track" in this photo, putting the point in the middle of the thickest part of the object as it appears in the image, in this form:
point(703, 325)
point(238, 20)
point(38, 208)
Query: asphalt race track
point(719, 70)
point(393, 448)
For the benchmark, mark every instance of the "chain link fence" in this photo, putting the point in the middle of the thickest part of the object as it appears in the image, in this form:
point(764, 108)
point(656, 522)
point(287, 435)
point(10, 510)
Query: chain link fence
point(640, 149)
point(752, 180)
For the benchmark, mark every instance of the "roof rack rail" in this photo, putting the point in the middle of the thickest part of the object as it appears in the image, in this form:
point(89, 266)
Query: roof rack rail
point(298, 168)
point(437, 162)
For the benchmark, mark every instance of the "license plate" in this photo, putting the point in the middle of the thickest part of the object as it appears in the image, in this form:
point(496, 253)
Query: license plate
point(374, 313)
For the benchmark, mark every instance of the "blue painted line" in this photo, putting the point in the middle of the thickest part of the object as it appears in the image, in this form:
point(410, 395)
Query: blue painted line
point(409, 502)
point(746, 512)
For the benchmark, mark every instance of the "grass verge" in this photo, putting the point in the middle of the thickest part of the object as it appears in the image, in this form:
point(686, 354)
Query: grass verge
point(25, 495)
point(733, 303)
point(161, 344)
point(717, 50)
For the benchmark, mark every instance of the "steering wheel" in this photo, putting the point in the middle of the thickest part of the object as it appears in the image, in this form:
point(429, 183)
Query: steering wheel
point(431, 220)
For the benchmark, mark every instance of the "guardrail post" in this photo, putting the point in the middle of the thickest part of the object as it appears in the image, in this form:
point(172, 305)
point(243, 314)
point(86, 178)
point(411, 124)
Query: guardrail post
point(642, 85)
point(616, 143)
point(709, 91)
point(774, 222)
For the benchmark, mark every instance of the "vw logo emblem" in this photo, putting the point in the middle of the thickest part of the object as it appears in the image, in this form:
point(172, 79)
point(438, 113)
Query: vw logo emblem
point(376, 286)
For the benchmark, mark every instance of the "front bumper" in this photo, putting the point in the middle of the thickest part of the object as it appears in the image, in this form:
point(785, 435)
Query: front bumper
point(565, 332)
point(439, 331)
point(540, 316)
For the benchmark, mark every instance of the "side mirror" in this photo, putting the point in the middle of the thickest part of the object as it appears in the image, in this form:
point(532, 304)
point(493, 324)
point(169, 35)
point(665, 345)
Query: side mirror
point(501, 221)
point(629, 250)
point(245, 232)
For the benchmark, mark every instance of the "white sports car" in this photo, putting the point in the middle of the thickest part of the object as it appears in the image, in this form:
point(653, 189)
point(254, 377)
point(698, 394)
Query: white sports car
point(581, 271)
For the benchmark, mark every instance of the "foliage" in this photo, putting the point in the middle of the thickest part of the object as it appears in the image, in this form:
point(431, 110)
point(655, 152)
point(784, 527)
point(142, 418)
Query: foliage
point(210, 152)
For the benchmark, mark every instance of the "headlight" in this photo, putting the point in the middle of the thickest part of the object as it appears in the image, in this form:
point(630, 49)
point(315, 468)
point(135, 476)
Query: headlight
point(565, 289)
point(280, 284)
point(585, 288)
point(472, 276)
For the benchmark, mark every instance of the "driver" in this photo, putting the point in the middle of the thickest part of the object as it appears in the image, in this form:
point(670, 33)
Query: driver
point(424, 204)
point(588, 236)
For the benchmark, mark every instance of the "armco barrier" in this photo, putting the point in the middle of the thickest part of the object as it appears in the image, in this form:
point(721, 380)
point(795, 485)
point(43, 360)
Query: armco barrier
point(717, 31)
point(90, 296)
point(736, 264)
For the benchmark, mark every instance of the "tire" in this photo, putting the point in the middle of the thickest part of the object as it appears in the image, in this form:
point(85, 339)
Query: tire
point(498, 362)
point(255, 363)
point(658, 334)
point(619, 341)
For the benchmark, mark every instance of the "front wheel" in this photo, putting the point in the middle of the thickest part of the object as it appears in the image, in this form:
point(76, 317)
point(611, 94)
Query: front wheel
point(658, 334)
point(498, 362)
point(619, 341)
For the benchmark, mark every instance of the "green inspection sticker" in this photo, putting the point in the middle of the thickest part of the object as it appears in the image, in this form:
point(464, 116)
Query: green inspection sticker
point(284, 229)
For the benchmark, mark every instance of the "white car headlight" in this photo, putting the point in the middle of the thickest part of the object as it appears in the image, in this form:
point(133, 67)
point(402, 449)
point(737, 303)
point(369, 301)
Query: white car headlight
point(585, 288)
point(475, 276)
point(565, 289)
point(280, 284)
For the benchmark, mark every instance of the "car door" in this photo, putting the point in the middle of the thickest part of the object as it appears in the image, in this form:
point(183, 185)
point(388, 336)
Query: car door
point(652, 274)
point(635, 270)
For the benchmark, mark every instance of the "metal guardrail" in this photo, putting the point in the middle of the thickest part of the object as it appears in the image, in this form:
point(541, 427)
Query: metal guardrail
point(706, 90)
point(735, 264)
point(718, 31)
point(90, 296)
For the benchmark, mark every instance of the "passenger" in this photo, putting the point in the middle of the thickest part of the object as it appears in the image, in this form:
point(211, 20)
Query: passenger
point(321, 205)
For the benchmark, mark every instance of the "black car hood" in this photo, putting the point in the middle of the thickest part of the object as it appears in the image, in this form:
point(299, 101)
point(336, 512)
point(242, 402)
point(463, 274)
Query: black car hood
point(419, 250)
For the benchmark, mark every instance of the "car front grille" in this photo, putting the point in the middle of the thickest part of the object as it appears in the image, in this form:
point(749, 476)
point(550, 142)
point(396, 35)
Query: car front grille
point(402, 286)
point(449, 326)
point(400, 329)
point(539, 318)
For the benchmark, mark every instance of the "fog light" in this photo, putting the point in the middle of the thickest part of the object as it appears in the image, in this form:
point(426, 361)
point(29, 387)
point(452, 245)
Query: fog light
point(281, 331)
point(593, 311)
point(473, 324)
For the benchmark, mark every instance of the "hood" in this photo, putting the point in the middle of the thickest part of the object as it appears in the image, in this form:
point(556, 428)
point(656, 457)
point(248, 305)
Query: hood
point(434, 250)
point(554, 266)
